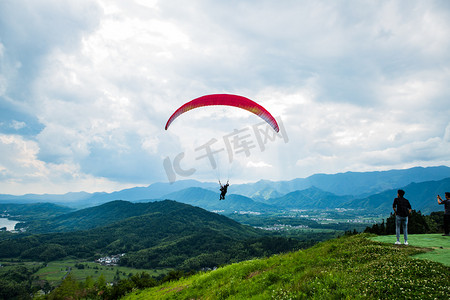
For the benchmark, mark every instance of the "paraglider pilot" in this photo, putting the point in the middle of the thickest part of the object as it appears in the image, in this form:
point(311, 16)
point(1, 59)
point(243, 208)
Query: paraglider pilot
point(223, 190)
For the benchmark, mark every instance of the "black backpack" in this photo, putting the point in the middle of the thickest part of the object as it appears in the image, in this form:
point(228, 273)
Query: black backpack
point(403, 207)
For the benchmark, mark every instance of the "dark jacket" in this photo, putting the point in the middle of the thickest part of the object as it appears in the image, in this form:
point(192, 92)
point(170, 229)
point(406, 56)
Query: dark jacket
point(446, 206)
point(401, 206)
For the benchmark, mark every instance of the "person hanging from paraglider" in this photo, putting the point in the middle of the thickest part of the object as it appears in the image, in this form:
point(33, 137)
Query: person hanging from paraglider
point(223, 190)
point(226, 100)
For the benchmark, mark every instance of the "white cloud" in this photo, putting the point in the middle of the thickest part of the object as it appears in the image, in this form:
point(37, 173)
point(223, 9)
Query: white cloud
point(20, 166)
point(17, 125)
point(87, 87)
point(259, 164)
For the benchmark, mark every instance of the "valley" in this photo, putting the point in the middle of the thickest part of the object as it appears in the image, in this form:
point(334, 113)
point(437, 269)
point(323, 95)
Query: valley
point(137, 241)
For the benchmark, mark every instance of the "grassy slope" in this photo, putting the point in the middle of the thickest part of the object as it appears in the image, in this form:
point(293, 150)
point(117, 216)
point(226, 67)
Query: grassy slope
point(440, 245)
point(348, 267)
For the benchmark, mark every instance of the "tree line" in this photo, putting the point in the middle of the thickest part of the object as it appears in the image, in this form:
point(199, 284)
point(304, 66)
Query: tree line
point(417, 224)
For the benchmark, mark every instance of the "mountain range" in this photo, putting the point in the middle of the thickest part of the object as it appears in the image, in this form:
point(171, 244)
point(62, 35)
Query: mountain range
point(422, 196)
point(357, 190)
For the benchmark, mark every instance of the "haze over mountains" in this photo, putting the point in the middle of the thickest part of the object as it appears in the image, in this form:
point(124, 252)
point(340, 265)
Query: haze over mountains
point(357, 190)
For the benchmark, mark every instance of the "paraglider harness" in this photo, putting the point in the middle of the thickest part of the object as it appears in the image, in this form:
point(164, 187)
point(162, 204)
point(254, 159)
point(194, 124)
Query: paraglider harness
point(223, 190)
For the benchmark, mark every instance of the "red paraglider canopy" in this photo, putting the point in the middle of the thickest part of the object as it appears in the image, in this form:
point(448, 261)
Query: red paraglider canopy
point(229, 100)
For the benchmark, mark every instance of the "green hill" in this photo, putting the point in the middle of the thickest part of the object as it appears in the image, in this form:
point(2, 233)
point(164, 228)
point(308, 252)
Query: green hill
point(92, 217)
point(168, 235)
point(32, 211)
point(311, 198)
point(118, 210)
point(351, 267)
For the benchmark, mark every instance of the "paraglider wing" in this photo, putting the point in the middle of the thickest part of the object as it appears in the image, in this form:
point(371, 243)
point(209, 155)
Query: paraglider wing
point(229, 100)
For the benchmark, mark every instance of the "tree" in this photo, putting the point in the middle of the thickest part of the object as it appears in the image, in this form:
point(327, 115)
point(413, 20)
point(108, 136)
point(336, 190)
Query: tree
point(47, 288)
point(67, 290)
point(100, 284)
point(143, 280)
point(120, 288)
point(417, 224)
point(390, 224)
point(435, 221)
point(14, 290)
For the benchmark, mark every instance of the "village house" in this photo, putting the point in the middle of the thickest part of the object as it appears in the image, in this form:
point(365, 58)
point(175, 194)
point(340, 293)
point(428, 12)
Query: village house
point(112, 260)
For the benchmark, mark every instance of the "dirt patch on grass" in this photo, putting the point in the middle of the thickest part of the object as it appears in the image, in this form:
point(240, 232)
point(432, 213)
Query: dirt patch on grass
point(253, 274)
point(174, 289)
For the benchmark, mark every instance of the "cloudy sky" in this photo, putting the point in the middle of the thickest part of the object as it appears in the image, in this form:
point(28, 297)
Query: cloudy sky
point(86, 87)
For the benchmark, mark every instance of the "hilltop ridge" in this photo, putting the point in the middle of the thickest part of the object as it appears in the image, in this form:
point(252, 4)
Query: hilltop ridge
point(349, 267)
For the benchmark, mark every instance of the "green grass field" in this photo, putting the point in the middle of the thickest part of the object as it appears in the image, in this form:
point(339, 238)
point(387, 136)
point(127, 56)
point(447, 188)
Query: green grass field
point(438, 246)
point(350, 267)
point(55, 271)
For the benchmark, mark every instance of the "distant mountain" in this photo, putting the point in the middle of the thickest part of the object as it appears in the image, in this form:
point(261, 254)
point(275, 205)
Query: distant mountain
point(350, 183)
point(357, 184)
point(210, 200)
point(422, 196)
point(54, 198)
point(311, 198)
point(153, 191)
point(83, 199)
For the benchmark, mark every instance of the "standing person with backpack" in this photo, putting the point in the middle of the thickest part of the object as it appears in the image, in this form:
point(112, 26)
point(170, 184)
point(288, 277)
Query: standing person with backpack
point(402, 209)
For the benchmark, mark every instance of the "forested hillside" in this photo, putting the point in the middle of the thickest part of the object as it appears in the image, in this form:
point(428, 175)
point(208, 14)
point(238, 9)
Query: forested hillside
point(170, 234)
point(96, 216)
point(33, 211)
point(311, 198)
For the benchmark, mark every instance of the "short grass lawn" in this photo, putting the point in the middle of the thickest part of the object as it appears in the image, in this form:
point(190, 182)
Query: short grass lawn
point(438, 244)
